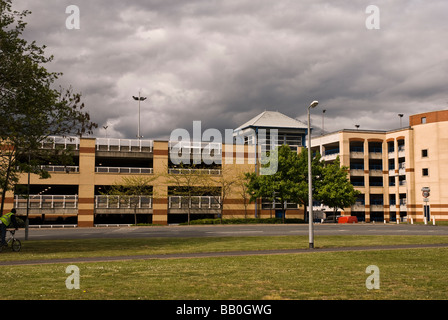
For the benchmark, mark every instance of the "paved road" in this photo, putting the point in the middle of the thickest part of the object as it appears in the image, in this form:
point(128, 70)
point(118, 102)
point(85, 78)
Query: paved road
point(232, 230)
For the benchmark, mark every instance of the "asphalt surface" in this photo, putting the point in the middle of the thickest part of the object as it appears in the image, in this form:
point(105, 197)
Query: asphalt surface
point(232, 230)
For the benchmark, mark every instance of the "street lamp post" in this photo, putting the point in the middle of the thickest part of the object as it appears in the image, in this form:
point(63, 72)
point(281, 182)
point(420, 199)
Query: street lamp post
point(401, 116)
point(139, 98)
point(310, 182)
point(323, 126)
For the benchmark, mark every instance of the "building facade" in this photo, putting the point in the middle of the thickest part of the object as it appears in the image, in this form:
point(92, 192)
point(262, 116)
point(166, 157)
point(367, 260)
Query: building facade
point(77, 194)
point(391, 169)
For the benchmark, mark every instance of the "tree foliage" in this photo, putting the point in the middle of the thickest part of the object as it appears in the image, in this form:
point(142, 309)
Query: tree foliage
point(130, 190)
point(187, 183)
point(331, 185)
point(289, 183)
point(31, 110)
point(335, 189)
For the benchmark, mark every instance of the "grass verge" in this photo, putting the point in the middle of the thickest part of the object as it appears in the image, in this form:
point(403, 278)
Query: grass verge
point(55, 249)
point(404, 274)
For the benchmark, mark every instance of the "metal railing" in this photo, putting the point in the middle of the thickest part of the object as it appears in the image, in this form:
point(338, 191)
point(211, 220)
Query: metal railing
point(199, 202)
point(194, 171)
point(359, 206)
point(356, 166)
point(122, 202)
point(64, 169)
point(53, 141)
point(328, 152)
point(47, 201)
point(278, 205)
point(376, 150)
point(128, 145)
point(123, 170)
point(195, 147)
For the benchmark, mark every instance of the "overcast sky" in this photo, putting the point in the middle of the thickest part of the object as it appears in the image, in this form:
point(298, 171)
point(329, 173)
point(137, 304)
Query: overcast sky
point(224, 62)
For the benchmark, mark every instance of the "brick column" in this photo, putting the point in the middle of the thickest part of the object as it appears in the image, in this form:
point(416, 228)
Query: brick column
point(86, 194)
point(160, 189)
point(9, 202)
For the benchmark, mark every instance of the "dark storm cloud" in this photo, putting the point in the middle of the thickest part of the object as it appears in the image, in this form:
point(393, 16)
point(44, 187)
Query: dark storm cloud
point(223, 62)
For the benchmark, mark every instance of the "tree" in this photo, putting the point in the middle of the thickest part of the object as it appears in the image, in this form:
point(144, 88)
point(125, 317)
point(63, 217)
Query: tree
point(242, 184)
point(187, 182)
point(31, 110)
point(283, 185)
point(219, 187)
point(131, 191)
point(335, 189)
point(290, 182)
point(317, 165)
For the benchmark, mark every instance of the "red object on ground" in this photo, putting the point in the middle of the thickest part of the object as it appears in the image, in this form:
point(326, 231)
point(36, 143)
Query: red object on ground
point(348, 219)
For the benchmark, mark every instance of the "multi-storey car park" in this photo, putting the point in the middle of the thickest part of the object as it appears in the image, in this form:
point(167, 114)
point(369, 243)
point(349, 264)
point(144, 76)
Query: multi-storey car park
point(390, 168)
point(400, 173)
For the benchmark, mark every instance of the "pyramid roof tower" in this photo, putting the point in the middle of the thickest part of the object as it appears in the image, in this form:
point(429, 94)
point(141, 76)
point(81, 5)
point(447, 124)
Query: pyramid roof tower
point(272, 119)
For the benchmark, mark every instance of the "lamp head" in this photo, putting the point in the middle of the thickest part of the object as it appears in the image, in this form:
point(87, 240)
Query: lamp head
point(314, 104)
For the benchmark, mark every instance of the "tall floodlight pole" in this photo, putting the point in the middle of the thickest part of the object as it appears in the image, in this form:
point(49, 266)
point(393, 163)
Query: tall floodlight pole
point(323, 116)
point(139, 98)
point(401, 116)
point(310, 182)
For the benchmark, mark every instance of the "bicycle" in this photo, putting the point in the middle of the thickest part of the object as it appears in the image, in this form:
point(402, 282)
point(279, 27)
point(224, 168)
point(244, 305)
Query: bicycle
point(15, 244)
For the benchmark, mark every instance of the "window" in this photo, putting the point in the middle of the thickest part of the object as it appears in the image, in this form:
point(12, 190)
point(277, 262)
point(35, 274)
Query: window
point(423, 119)
point(425, 172)
point(424, 153)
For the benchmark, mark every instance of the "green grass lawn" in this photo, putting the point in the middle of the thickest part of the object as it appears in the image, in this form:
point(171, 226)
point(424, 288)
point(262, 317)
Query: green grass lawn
point(404, 274)
point(52, 249)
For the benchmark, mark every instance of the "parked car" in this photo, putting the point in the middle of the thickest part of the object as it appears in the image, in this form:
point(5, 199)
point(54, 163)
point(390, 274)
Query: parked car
point(332, 219)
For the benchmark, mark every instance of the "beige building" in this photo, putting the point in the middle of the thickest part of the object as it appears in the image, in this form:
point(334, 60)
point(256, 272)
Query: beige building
point(391, 168)
point(77, 194)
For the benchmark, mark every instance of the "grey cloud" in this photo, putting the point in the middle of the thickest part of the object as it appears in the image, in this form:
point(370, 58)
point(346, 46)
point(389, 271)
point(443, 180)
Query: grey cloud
point(223, 62)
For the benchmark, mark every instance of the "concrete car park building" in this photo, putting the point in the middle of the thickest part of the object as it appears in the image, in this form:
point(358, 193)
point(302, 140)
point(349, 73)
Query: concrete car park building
point(74, 194)
point(390, 168)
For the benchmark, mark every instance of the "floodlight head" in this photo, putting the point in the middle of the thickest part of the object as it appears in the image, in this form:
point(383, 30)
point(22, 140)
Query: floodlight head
point(314, 104)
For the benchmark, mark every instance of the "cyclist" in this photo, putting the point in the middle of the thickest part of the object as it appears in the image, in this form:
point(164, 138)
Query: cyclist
point(5, 222)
